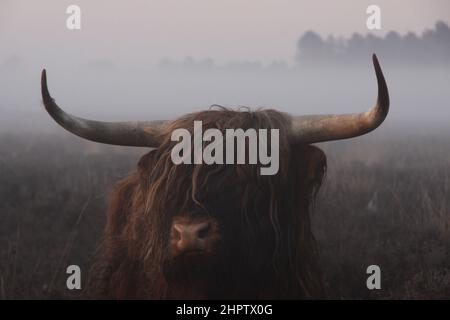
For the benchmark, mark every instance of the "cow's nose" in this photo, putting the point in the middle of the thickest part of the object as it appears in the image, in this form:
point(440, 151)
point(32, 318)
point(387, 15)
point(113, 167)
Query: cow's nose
point(191, 236)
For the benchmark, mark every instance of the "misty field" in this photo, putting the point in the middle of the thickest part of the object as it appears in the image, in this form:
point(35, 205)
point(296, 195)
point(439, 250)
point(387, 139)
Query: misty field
point(385, 201)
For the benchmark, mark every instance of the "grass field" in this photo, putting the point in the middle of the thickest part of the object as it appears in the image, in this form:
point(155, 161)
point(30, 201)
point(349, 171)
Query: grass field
point(385, 201)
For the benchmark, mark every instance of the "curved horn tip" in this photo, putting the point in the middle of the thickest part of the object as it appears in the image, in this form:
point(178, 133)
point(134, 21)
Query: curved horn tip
point(374, 58)
point(45, 94)
point(376, 64)
point(383, 93)
point(43, 76)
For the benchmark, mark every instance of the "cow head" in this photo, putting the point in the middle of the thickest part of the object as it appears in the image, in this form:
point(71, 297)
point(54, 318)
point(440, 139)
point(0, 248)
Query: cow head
point(219, 230)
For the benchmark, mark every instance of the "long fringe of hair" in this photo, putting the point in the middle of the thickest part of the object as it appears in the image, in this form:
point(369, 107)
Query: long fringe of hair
point(134, 247)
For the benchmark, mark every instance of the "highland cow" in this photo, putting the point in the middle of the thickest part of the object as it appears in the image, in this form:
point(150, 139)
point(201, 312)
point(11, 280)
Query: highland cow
point(198, 231)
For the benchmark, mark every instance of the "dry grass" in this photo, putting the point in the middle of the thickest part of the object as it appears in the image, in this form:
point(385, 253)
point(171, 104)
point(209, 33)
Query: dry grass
point(385, 201)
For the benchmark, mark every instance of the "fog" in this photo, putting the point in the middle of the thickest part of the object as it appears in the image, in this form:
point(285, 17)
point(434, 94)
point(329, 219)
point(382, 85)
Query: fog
point(109, 70)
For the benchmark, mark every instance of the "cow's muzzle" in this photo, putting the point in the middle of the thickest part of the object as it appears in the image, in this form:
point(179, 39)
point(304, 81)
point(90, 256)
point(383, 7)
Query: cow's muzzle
point(190, 237)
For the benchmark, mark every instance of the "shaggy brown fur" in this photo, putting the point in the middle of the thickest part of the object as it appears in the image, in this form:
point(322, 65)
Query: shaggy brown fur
point(267, 249)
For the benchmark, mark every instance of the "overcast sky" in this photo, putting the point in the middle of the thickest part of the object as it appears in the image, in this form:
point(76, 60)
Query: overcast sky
point(148, 30)
point(106, 70)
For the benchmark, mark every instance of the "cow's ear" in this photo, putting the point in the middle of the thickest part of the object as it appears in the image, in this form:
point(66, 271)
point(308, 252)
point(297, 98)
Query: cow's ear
point(311, 164)
point(146, 163)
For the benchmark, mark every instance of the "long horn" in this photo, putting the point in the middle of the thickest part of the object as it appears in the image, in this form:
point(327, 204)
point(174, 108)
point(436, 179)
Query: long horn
point(319, 128)
point(137, 134)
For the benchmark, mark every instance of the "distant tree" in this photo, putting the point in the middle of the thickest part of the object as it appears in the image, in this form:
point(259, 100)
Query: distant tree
point(310, 46)
point(442, 31)
point(356, 47)
point(433, 46)
point(442, 41)
point(412, 47)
